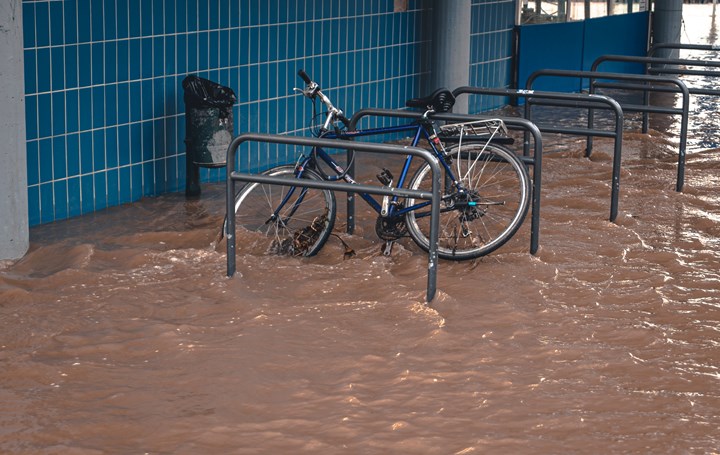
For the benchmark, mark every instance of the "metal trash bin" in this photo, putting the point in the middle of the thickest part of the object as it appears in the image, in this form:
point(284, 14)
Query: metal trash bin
point(209, 127)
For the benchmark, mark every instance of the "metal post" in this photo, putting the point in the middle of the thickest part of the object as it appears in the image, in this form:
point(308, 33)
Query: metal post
point(450, 46)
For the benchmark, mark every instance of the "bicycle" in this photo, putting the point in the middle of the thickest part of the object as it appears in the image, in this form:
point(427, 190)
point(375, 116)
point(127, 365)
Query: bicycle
point(485, 199)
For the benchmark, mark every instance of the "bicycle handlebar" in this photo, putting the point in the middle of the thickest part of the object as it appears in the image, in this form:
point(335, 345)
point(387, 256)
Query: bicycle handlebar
point(312, 89)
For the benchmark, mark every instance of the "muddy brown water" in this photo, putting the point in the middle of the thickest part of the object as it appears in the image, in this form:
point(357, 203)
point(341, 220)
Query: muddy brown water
point(119, 332)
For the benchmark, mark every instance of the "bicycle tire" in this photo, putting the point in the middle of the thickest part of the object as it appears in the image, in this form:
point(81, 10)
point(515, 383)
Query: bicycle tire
point(301, 229)
point(498, 186)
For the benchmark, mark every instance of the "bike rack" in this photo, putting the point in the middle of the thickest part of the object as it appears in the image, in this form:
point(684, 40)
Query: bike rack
point(578, 100)
point(678, 70)
point(640, 82)
point(511, 123)
point(433, 196)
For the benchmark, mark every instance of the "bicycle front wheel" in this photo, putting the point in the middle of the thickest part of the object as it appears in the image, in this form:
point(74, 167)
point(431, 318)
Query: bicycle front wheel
point(486, 213)
point(284, 219)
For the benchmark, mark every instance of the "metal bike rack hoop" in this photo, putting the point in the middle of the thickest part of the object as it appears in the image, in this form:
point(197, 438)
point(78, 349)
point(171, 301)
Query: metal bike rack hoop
point(433, 196)
point(578, 100)
point(635, 82)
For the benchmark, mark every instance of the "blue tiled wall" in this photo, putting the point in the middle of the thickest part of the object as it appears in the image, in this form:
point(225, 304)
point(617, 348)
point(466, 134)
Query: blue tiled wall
point(105, 111)
point(491, 50)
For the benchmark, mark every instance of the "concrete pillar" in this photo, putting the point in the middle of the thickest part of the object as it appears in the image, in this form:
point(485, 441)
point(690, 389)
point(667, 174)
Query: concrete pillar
point(667, 25)
point(14, 226)
point(450, 47)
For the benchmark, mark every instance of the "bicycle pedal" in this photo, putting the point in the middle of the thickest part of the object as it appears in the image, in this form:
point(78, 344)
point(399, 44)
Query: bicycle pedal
point(385, 177)
point(387, 248)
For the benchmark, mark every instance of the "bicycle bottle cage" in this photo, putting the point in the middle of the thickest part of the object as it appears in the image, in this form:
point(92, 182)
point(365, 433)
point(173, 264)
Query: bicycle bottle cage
point(441, 100)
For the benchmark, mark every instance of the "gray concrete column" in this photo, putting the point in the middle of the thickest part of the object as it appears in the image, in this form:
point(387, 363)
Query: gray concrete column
point(14, 225)
point(667, 25)
point(450, 47)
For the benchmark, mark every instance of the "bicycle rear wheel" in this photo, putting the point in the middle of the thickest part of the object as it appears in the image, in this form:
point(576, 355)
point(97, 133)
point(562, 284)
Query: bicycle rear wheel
point(284, 219)
point(481, 219)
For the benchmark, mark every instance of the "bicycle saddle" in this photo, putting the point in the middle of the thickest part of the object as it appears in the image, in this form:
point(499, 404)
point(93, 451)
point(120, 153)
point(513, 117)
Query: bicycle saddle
point(441, 100)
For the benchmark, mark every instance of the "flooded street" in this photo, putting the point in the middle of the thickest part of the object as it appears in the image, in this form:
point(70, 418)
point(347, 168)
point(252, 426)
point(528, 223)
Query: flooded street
point(120, 333)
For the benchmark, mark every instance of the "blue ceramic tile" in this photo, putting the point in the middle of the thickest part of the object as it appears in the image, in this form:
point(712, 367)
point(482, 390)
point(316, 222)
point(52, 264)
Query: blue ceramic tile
point(86, 152)
point(136, 143)
point(148, 169)
point(125, 189)
point(146, 57)
point(43, 69)
point(71, 67)
point(83, 21)
point(84, 62)
point(123, 14)
point(96, 21)
point(72, 146)
point(47, 202)
point(147, 141)
point(158, 16)
point(87, 193)
point(214, 50)
point(123, 133)
point(44, 115)
point(42, 24)
point(169, 56)
point(98, 147)
point(181, 177)
point(135, 100)
point(203, 11)
point(59, 158)
point(31, 117)
point(34, 204)
point(171, 174)
point(111, 150)
point(158, 56)
point(110, 17)
point(180, 15)
point(145, 17)
point(46, 160)
point(136, 181)
point(111, 105)
point(147, 99)
point(85, 106)
point(98, 107)
point(181, 54)
point(123, 104)
point(192, 52)
point(135, 29)
point(170, 137)
point(28, 24)
point(123, 60)
point(159, 169)
point(58, 113)
point(111, 58)
point(100, 182)
point(74, 197)
point(33, 163)
point(113, 189)
point(169, 96)
point(57, 33)
point(98, 66)
point(192, 15)
point(61, 203)
point(170, 12)
point(203, 51)
point(135, 59)
point(158, 139)
point(30, 71)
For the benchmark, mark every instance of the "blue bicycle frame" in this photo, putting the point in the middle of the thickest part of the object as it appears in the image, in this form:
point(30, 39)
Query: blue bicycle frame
point(393, 209)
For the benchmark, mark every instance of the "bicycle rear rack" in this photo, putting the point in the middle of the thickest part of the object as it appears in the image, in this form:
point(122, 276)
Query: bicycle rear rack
point(232, 176)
